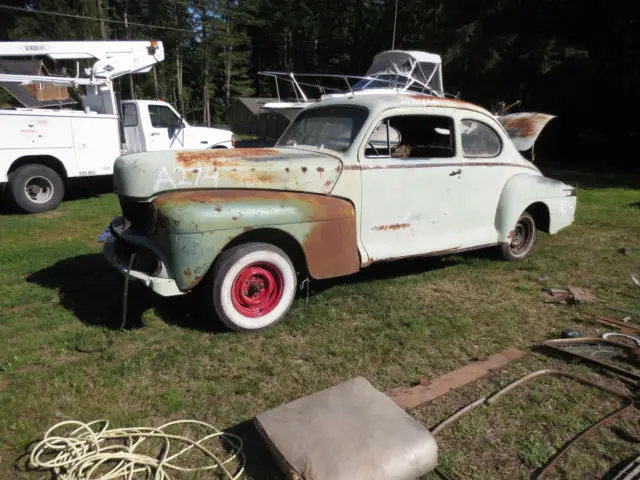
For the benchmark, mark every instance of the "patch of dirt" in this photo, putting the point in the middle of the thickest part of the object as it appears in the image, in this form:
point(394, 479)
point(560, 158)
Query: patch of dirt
point(52, 214)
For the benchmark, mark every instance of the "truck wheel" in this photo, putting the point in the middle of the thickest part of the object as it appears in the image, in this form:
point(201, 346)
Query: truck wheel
point(254, 285)
point(523, 240)
point(36, 188)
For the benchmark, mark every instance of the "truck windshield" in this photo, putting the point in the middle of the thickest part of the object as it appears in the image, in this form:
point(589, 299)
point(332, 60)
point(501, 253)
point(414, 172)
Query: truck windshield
point(334, 128)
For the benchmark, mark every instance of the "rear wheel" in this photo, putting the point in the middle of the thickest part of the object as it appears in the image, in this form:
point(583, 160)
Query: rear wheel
point(36, 188)
point(254, 285)
point(522, 240)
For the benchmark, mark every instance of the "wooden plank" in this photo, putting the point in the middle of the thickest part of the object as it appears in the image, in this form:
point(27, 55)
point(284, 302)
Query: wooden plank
point(410, 398)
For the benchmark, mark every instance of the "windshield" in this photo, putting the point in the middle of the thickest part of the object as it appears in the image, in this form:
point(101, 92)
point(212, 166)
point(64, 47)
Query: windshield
point(334, 128)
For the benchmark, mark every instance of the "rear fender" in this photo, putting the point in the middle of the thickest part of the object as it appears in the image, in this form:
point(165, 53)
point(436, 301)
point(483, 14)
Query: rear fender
point(195, 226)
point(525, 189)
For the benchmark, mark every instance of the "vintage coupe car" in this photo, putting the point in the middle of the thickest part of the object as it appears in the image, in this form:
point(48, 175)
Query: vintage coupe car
point(352, 181)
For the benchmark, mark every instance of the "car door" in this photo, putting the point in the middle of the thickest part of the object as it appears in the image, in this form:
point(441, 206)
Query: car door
point(487, 167)
point(165, 131)
point(411, 195)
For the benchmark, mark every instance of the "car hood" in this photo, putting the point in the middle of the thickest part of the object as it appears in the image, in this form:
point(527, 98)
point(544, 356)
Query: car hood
point(204, 131)
point(146, 174)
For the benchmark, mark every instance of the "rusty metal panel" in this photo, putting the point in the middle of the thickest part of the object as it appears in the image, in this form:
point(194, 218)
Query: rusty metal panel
point(195, 226)
point(145, 174)
point(409, 398)
point(524, 128)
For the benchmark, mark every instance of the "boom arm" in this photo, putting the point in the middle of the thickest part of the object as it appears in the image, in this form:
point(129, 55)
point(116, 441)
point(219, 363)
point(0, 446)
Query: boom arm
point(113, 59)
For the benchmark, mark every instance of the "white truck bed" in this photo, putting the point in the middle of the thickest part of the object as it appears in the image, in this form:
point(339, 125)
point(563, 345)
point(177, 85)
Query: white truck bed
point(86, 143)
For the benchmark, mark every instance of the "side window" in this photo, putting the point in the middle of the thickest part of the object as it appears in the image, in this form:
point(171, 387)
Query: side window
point(130, 114)
point(479, 140)
point(413, 136)
point(163, 117)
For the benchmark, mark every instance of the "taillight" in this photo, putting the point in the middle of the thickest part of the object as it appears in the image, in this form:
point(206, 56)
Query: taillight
point(233, 141)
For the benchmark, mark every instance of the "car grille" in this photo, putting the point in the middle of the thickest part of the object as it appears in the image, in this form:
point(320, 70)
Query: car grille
point(136, 214)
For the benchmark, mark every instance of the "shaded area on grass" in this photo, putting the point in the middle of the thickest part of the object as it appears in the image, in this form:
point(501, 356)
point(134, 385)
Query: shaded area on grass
point(260, 463)
point(93, 290)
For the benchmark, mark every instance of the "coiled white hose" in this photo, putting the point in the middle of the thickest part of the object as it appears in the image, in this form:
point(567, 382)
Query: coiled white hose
point(92, 451)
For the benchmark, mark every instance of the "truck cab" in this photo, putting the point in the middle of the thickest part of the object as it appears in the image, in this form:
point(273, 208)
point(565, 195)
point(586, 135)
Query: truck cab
point(152, 125)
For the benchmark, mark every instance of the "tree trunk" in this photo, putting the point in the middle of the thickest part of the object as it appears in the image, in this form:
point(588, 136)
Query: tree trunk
point(132, 90)
point(155, 82)
point(103, 30)
point(228, 66)
point(179, 80)
point(206, 113)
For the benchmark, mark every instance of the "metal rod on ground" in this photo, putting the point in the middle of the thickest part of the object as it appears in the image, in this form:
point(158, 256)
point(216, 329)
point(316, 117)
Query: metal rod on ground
point(494, 396)
point(606, 419)
point(125, 296)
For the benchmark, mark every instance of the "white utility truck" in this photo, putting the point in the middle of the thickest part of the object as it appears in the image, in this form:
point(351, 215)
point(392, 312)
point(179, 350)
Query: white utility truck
point(40, 149)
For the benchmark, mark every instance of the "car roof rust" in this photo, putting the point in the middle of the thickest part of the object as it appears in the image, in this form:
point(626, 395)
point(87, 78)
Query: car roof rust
point(377, 102)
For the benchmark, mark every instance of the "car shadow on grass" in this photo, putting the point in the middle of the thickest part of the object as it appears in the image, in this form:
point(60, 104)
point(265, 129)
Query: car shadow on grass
point(93, 290)
point(90, 288)
point(401, 268)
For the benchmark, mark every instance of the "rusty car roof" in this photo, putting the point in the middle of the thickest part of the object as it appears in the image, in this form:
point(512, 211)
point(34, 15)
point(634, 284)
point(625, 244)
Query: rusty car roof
point(377, 102)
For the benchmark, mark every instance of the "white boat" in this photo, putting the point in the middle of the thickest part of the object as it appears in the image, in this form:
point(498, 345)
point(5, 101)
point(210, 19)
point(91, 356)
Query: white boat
point(392, 72)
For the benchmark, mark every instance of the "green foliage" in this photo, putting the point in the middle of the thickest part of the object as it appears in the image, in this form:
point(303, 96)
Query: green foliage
point(499, 50)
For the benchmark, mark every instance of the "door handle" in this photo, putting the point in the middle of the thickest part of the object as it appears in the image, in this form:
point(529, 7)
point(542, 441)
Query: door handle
point(155, 134)
point(455, 172)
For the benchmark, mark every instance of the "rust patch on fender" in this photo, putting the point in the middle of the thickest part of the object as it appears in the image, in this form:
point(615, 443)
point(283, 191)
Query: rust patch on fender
point(187, 272)
point(265, 177)
point(331, 248)
point(319, 169)
point(395, 226)
point(217, 157)
point(319, 207)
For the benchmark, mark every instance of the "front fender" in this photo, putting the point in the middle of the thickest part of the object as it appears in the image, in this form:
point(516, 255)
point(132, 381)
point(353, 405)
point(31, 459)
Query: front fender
point(525, 189)
point(200, 224)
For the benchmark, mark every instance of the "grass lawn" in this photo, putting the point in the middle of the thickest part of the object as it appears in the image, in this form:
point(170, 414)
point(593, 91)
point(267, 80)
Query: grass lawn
point(392, 324)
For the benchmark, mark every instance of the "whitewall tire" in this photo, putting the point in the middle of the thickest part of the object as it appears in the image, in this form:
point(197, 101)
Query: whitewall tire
point(254, 285)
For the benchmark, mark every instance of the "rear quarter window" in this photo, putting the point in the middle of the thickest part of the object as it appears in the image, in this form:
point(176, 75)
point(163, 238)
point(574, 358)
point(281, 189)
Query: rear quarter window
point(479, 140)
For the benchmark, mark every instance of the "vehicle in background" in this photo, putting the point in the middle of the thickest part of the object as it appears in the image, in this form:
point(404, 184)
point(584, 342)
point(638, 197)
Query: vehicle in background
point(41, 149)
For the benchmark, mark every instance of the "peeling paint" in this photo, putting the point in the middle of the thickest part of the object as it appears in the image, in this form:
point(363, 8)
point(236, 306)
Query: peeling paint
point(217, 157)
point(146, 175)
point(524, 128)
point(395, 226)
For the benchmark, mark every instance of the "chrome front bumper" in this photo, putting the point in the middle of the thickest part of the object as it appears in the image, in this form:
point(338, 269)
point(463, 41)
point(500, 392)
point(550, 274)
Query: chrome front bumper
point(166, 287)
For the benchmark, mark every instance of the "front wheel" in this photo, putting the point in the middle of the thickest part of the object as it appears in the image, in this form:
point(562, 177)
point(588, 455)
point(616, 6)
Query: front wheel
point(254, 285)
point(522, 239)
point(36, 188)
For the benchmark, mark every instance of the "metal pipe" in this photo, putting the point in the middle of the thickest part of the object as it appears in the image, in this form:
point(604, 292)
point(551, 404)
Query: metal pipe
point(496, 395)
point(606, 419)
point(453, 418)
